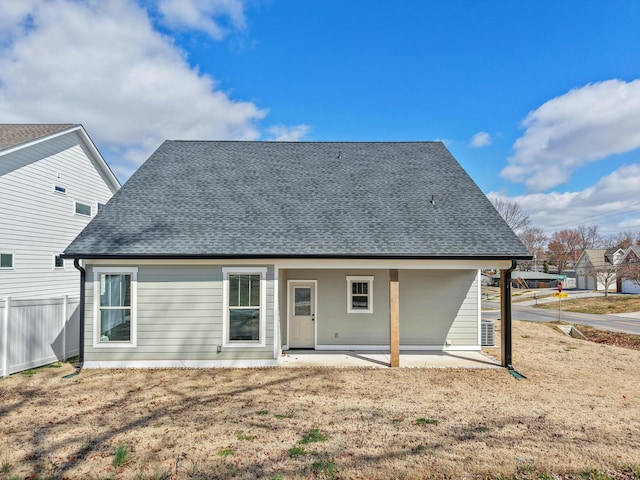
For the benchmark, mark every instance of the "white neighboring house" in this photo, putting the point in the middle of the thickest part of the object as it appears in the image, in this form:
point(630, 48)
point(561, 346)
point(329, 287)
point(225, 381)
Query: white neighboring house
point(53, 181)
point(630, 272)
point(596, 269)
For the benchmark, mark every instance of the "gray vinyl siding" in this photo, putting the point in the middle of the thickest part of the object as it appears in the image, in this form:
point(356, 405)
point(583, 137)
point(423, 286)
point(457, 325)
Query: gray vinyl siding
point(439, 306)
point(332, 317)
point(38, 222)
point(436, 307)
point(179, 317)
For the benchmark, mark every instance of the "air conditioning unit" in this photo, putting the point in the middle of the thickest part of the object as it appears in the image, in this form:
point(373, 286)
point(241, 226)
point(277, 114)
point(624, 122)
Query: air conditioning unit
point(487, 333)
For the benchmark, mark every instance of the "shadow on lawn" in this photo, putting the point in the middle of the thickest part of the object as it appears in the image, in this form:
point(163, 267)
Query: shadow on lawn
point(440, 448)
point(43, 439)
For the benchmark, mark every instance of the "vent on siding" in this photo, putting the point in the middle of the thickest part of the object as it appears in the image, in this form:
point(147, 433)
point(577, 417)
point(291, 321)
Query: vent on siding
point(487, 333)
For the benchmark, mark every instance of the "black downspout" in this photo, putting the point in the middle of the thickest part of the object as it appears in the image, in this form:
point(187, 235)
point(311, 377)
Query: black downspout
point(505, 315)
point(83, 278)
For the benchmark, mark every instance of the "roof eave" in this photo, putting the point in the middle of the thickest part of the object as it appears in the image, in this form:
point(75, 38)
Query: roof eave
point(81, 256)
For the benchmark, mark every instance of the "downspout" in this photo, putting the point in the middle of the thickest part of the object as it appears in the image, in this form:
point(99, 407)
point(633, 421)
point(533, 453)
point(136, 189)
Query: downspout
point(83, 279)
point(505, 315)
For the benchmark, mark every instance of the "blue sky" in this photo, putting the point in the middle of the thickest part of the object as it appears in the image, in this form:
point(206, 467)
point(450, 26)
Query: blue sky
point(539, 101)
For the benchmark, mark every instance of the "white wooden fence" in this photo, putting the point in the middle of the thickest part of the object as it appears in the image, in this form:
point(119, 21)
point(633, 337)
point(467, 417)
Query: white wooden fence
point(36, 332)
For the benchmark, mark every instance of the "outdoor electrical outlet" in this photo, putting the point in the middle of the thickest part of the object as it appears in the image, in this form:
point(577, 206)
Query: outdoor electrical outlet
point(336, 334)
point(219, 349)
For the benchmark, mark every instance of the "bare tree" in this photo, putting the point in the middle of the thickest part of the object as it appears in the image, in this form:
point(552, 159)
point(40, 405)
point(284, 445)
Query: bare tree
point(564, 247)
point(590, 238)
point(535, 240)
point(511, 212)
point(621, 240)
point(630, 267)
point(606, 272)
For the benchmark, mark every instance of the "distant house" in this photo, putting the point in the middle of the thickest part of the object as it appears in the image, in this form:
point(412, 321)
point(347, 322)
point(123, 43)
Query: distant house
point(596, 269)
point(630, 270)
point(229, 253)
point(526, 279)
point(53, 181)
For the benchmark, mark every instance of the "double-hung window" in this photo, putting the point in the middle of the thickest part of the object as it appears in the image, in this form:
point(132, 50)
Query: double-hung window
point(115, 307)
point(359, 294)
point(244, 313)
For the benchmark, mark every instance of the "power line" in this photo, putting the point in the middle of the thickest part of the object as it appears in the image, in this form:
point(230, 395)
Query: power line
point(611, 213)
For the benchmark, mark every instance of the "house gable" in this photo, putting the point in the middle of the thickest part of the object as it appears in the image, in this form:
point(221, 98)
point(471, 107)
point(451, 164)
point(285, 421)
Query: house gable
point(52, 180)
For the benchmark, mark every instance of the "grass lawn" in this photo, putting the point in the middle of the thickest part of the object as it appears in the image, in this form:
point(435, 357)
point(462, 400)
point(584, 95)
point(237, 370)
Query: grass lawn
point(576, 416)
point(600, 305)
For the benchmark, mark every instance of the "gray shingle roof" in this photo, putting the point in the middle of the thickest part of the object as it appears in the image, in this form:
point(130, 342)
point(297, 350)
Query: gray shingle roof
point(299, 199)
point(12, 135)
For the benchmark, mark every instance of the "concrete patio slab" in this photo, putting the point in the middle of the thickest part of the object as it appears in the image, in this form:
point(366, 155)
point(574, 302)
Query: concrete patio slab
point(380, 359)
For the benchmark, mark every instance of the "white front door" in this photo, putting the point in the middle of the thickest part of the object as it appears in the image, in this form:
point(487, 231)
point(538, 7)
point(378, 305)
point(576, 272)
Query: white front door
point(302, 314)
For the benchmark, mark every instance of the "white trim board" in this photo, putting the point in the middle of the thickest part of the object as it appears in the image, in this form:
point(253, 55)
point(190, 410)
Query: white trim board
point(180, 363)
point(406, 348)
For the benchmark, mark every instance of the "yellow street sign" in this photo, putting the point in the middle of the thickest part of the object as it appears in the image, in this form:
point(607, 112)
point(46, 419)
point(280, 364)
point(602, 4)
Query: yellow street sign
point(560, 295)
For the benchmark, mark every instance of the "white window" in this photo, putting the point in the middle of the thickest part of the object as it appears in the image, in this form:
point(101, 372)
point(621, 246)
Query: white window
point(114, 322)
point(58, 261)
point(6, 261)
point(83, 209)
point(360, 294)
point(59, 189)
point(244, 292)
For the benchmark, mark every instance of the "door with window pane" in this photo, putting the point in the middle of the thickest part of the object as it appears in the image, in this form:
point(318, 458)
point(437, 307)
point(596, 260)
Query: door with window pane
point(302, 315)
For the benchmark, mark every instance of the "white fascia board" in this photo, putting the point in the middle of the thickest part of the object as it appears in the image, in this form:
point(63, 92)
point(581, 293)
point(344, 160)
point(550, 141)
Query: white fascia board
point(319, 264)
point(99, 160)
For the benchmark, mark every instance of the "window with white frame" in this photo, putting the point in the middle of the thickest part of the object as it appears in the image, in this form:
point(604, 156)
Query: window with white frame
point(244, 291)
point(115, 307)
point(6, 260)
point(59, 189)
point(83, 209)
point(359, 294)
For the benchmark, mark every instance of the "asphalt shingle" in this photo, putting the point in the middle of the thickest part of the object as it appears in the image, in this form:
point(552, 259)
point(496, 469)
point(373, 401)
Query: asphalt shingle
point(299, 199)
point(12, 135)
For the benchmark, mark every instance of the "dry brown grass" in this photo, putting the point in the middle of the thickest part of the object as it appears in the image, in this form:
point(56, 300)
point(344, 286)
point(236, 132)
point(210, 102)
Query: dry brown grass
point(618, 339)
point(599, 305)
point(577, 415)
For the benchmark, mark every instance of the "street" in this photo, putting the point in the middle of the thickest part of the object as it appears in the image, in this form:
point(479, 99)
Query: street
point(615, 323)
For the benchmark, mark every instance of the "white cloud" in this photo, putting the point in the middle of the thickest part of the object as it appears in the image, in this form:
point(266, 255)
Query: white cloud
point(101, 63)
point(612, 204)
point(207, 16)
point(12, 13)
point(582, 126)
point(480, 139)
point(283, 133)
